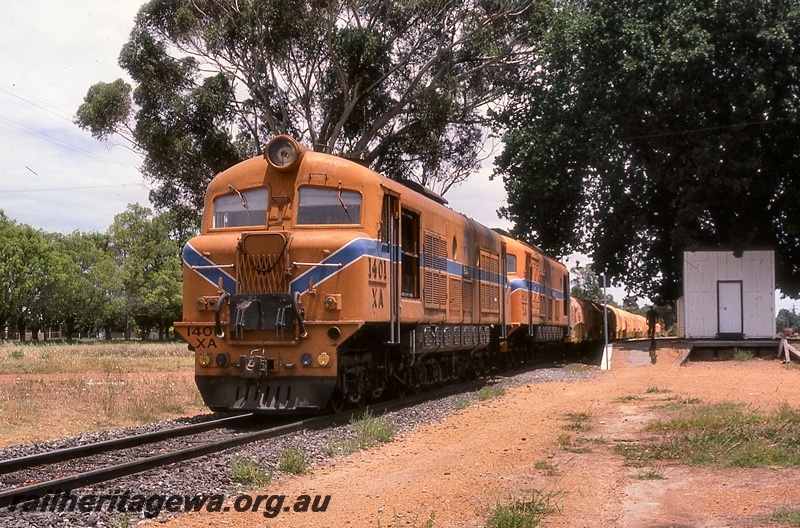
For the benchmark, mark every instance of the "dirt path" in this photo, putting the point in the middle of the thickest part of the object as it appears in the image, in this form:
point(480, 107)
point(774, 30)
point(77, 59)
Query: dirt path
point(455, 470)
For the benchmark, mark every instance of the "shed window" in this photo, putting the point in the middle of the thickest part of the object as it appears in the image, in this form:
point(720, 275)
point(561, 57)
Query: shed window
point(328, 206)
point(247, 208)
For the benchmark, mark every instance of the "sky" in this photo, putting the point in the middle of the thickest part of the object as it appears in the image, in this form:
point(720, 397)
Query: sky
point(58, 178)
point(55, 176)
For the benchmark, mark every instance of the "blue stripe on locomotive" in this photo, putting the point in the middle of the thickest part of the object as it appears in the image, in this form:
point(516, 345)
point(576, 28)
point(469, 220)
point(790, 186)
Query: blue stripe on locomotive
point(344, 257)
point(194, 258)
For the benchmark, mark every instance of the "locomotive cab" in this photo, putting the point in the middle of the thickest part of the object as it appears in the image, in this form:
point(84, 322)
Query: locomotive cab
point(539, 299)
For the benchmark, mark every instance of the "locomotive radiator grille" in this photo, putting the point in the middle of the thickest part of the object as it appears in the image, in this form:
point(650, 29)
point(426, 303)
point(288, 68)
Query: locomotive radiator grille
point(260, 274)
point(260, 264)
point(455, 295)
point(435, 276)
point(490, 287)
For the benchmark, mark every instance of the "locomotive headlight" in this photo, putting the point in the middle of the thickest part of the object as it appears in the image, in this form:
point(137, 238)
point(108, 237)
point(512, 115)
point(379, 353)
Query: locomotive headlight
point(306, 359)
point(323, 359)
point(221, 359)
point(205, 359)
point(283, 152)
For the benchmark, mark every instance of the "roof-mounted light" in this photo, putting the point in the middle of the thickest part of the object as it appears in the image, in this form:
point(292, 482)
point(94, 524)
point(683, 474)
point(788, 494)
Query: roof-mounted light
point(283, 153)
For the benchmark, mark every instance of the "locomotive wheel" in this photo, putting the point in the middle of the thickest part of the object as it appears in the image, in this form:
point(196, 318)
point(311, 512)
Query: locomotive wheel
point(361, 401)
point(337, 402)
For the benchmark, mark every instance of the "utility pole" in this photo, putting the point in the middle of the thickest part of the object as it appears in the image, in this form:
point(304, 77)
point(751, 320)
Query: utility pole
point(606, 351)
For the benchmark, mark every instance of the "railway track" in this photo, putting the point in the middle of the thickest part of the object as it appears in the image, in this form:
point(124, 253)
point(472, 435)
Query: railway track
point(117, 470)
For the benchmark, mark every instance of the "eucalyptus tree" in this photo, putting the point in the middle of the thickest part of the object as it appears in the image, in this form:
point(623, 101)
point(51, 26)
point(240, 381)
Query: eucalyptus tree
point(27, 271)
point(402, 86)
point(149, 267)
point(90, 293)
point(640, 129)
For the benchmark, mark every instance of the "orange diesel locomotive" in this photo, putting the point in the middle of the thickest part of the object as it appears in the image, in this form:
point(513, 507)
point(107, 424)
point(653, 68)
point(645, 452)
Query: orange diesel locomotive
point(315, 281)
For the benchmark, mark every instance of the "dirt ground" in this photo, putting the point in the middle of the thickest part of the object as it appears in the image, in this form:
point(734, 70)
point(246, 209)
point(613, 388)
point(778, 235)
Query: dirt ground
point(455, 470)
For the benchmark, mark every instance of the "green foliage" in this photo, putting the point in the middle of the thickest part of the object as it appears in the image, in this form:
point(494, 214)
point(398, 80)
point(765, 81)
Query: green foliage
point(369, 431)
point(628, 398)
point(490, 391)
point(577, 422)
point(787, 319)
point(641, 129)
point(106, 105)
point(293, 460)
point(742, 355)
point(522, 513)
point(461, 403)
point(722, 434)
point(789, 517)
point(84, 282)
point(402, 87)
point(250, 473)
point(650, 474)
point(585, 284)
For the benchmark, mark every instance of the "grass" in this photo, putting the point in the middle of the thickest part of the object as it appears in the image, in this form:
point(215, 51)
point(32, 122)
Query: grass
point(369, 431)
point(293, 460)
point(461, 403)
point(677, 403)
point(577, 422)
point(522, 512)
point(100, 356)
point(788, 517)
point(570, 445)
point(656, 390)
point(490, 391)
point(629, 398)
point(725, 435)
point(121, 521)
point(650, 474)
point(544, 465)
point(742, 355)
point(250, 473)
point(92, 386)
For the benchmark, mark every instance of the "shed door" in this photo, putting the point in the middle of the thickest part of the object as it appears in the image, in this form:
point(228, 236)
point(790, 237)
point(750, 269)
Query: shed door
point(729, 304)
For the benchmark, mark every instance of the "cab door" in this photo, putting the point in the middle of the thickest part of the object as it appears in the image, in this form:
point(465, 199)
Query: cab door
point(532, 271)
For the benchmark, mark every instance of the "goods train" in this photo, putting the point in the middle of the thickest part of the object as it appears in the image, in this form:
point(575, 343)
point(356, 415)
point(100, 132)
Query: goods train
point(317, 282)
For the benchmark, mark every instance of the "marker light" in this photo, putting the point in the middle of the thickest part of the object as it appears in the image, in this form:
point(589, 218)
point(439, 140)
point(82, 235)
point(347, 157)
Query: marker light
point(323, 359)
point(205, 359)
point(222, 359)
point(306, 359)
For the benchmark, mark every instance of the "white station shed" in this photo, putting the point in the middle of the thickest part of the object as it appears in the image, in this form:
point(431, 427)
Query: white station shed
point(727, 297)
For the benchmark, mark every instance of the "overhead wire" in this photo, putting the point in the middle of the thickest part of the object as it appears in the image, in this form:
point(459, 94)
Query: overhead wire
point(32, 104)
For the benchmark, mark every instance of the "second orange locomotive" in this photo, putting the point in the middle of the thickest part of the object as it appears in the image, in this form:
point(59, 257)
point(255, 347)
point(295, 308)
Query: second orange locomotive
point(317, 281)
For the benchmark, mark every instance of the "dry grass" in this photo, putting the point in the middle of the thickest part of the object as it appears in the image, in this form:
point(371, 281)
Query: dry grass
point(48, 391)
point(98, 356)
